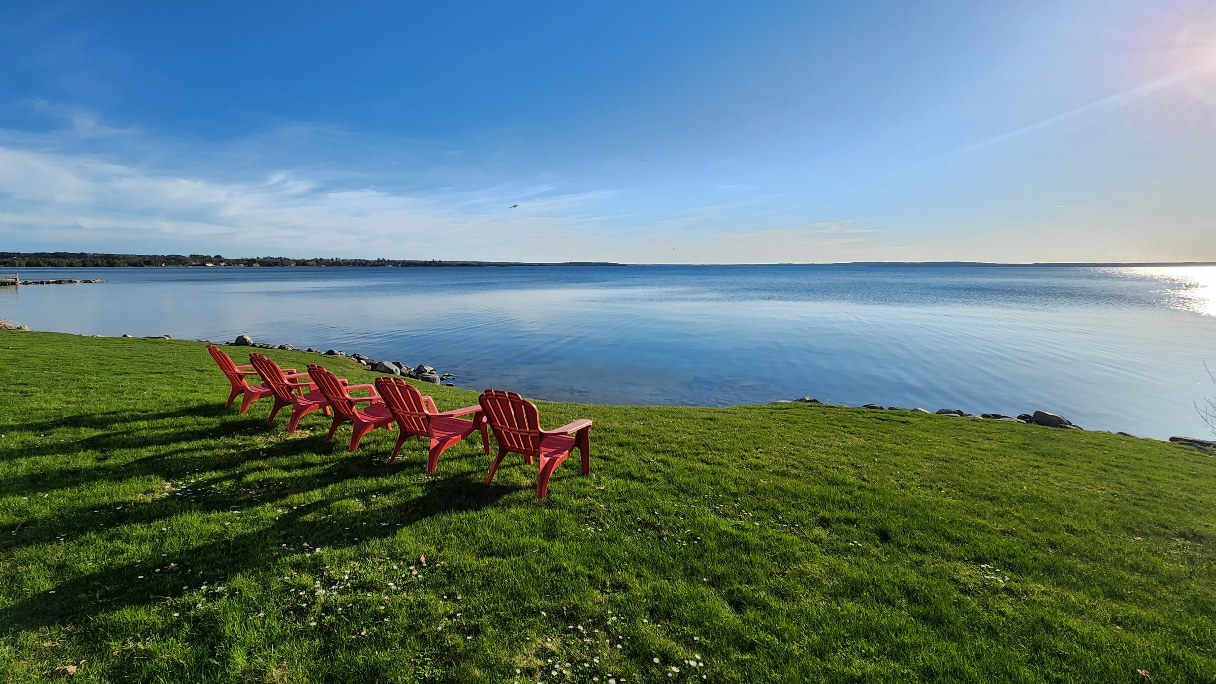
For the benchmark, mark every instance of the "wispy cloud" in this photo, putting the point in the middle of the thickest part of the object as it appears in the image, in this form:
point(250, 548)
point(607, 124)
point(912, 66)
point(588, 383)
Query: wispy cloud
point(67, 199)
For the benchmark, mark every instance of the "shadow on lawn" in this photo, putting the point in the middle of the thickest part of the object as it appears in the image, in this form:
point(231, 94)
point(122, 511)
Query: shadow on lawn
point(237, 477)
point(237, 465)
point(219, 560)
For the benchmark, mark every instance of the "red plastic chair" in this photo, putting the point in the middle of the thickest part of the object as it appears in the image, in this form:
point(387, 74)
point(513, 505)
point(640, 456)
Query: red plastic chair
point(416, 416)
point(289, 390)
point(516, 425)
point(344, 405)
point(236, 376)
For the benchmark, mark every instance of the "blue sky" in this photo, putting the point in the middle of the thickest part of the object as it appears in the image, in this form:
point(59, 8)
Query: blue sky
point(678, 132)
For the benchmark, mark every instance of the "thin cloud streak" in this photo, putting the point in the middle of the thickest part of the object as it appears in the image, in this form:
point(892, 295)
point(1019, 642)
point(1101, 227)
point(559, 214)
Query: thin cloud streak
point(1111, 102)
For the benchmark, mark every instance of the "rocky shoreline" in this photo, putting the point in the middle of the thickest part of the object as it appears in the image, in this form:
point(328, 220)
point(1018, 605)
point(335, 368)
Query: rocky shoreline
point(421, 372)
point(1038, 417)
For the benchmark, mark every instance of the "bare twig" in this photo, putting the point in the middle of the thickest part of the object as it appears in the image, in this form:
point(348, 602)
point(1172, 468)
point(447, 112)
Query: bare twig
point(1207, 410)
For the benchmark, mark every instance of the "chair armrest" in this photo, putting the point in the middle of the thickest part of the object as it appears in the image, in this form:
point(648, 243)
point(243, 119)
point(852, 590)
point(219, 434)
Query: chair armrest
point(568, 428)
point(372, 399)
point(459, 412)
point(427, 401)
point(367, 387)
point(292, 370)
point(248, 372)
point(245, 366)
point(290, 373)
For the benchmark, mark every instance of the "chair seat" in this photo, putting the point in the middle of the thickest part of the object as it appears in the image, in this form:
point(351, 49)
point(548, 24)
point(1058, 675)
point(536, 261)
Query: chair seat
point(375, 413)
point(260, 391)
point(448, 425)
point(552, 446)
point(312, 399)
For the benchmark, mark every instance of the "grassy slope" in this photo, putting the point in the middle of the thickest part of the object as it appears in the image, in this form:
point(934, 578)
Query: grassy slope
point(777, 543)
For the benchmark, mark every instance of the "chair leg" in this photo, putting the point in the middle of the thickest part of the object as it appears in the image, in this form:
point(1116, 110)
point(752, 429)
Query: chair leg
point(400, 440)
point(333, 428)
point(296, 415)
point(245, 402)
point(582, 442)
point(547, 466)
point(485, 437)
point(434, 449)
point(357, 432)
point(235, 391)
point(278, 406)
point(502, 451)
point(437, 448)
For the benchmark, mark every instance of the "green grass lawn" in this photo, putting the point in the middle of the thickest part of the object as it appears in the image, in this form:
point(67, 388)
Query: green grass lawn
point(157, 536)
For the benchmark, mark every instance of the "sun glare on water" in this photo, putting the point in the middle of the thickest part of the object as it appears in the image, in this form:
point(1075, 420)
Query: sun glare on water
point(1189, 288)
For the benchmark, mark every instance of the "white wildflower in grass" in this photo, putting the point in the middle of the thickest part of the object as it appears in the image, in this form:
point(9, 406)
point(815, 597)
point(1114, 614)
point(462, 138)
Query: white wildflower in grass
point(656, 660)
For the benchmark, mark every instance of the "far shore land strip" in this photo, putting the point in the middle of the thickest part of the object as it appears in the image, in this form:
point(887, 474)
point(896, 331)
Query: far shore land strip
point(101, 260)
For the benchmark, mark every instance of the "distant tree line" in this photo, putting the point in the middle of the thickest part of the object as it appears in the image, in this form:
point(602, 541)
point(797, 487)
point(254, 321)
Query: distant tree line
point(92, 260)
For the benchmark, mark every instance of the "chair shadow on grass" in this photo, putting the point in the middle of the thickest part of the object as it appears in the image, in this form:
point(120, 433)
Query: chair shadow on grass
point(217, 561)
point(114, 588)
point(194, 440)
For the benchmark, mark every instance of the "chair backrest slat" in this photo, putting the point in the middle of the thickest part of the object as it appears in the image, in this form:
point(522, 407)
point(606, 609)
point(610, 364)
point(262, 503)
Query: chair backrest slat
point(515, 421)
point(404, 401)
point(332, 388)
point(273, 376)
point(227, 367)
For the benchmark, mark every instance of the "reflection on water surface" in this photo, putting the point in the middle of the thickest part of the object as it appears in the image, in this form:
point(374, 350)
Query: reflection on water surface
point(1109, 348)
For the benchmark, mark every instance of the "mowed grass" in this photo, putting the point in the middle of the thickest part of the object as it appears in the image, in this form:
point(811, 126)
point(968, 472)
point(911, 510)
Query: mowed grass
point(151, 535)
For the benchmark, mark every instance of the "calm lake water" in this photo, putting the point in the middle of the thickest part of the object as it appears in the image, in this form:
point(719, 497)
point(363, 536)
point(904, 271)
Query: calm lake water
point(1109, 348)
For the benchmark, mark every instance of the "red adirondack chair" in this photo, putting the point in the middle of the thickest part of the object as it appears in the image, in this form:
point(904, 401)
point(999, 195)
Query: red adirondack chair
point(344, 405)
point(516, 425)
point(416, 416)
point(236, 376)
point(289, 390)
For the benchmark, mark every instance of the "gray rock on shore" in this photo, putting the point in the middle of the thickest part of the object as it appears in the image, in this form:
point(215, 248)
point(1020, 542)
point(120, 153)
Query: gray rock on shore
point(243, 341)
point(12, 325)
point(1200, 444)
point(386, 367)
point(879, 407)
point(1050, 419)
point(958, 413)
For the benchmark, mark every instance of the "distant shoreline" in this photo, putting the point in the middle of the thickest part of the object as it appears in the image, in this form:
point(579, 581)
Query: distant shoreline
point(98, 260)
point(92, 260)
